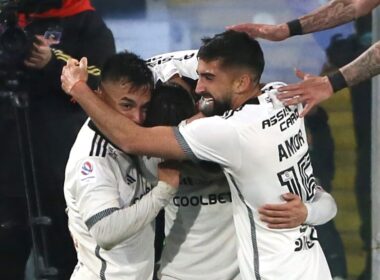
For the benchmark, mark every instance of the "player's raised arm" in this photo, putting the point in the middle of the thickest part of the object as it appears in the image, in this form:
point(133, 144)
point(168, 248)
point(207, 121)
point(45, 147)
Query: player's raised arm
point(312, 90)
point(157, 141)
point(333, 13)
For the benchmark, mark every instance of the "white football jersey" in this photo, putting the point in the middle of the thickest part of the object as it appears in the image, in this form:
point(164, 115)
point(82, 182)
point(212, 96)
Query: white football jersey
point(165, 66)
point(263, 151)
point(101, 179)
point(200, 240)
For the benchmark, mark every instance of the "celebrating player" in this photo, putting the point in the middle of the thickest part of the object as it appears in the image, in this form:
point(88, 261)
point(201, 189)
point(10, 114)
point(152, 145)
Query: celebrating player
point(260, 146)
point(110, 205)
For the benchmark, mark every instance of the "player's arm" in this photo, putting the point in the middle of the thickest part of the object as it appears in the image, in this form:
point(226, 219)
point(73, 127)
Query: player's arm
point(333, 13)
point(108, 223)
point(131, 138)
point(312, 90)
point(294, 212)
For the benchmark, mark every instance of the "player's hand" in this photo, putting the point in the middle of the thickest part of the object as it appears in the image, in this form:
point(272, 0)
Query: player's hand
point(40, 54)
point(311, 91)
point(270, 32)
point(168, 171)
point(284, 215)
point(75, 71)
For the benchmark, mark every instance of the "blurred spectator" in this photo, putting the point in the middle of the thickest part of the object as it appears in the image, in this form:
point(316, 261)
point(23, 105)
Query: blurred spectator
point(340, 52)
point(322, 158)
point(55, 122)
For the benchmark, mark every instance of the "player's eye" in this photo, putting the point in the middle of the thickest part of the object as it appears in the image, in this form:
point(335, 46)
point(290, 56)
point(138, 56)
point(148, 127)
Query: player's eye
point(127, 106)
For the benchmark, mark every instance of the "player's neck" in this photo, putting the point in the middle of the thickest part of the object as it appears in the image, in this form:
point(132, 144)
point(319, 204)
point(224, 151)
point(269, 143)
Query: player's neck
point(242, 98)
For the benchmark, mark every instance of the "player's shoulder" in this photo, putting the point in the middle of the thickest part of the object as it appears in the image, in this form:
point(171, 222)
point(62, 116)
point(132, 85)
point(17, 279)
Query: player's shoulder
point(272, 86)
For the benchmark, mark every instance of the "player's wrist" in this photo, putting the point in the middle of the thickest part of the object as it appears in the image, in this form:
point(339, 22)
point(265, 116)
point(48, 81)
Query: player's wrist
point(74, 89)
point(337, 81)
point(294, 27)
point(309, 215)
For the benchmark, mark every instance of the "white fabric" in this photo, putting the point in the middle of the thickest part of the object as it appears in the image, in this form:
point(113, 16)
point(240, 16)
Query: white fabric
point(264, 153)
point(100, 179)
point(200, 240)
point(322, 209)
point(165, 66)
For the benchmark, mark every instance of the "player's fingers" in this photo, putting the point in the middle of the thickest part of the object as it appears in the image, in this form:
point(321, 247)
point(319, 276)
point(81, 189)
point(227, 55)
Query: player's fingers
point(294, 101)
point(306, 109)
point(239, 27)
point(83, 63)
point(29, 63)
point(274, 211)
point(294, 92)
point(281, 225)
point(72, 62)
point(274, 220)
point(290, 196)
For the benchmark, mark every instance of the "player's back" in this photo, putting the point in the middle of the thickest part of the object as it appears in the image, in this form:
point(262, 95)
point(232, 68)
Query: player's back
point(272, 159)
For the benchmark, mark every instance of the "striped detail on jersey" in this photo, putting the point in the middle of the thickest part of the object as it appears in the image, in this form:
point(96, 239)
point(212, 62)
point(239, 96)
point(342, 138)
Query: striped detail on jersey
point(255, 260)
point(130, 179)
point(99, 146)
point(184, 146)
point(98, 216)
point(102, 272)
point(60, 55)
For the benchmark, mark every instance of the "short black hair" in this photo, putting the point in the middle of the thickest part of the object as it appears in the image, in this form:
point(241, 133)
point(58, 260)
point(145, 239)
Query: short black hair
point(170, 104)
point(128, 67)
point(234, 49)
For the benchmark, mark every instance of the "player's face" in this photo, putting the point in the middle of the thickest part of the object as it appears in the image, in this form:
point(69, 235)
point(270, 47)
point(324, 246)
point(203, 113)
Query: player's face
point(130, 101)
point(216, 83)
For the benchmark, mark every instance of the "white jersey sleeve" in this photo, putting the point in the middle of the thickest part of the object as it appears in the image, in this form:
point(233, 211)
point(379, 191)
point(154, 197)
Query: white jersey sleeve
point(124, 223)
point(98, 202)
point(322, 209)
point(165, 66)
point(210, 139)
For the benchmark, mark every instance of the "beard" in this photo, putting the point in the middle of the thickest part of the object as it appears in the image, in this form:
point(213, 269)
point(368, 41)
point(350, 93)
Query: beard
point(211, 107)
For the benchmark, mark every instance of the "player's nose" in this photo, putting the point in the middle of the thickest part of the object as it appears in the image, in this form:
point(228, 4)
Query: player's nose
point(200, 88)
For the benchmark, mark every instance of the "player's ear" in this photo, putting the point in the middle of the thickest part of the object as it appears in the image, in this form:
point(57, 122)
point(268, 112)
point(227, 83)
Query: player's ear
point(242, 83)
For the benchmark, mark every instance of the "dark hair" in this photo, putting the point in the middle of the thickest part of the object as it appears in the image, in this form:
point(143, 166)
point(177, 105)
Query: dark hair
point(234, 49)
point(129, 67)
point(170, 104)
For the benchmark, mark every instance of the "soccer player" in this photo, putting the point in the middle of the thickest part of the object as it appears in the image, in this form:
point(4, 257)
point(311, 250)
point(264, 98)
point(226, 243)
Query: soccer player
point(109, 204)
point(200, 213)
point(260, 145)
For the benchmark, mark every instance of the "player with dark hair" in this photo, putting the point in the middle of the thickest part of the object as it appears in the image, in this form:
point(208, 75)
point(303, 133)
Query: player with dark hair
point(110, 205)
point(260, 145)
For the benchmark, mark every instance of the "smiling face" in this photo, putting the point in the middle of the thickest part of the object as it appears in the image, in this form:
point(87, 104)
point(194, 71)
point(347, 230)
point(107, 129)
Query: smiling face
point(217, 83)
point(130, 101)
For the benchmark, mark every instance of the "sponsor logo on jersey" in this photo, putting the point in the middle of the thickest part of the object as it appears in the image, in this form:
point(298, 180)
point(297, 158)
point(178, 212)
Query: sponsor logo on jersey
point(87, 168)
point(284, 118)
point(147, 189)
point(210, 199)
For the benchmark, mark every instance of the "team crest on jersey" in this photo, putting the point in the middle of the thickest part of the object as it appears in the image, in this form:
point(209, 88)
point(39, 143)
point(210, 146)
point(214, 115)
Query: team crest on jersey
point(87, 168)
